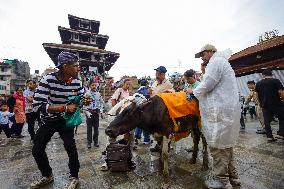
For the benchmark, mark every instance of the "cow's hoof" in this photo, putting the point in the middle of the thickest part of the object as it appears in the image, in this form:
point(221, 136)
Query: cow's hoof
point(205, 167)
point(192, 160)
point(165, 185)
point(166, 174)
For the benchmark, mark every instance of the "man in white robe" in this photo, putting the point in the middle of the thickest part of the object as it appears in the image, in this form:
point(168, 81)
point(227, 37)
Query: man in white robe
point(220, 114)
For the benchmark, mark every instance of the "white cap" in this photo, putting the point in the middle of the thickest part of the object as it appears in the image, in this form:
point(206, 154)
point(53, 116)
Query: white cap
point(206, 47)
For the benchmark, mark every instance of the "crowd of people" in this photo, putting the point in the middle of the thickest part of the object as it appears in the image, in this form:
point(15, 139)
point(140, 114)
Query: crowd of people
point(17, 110)
point(216, 89)
point(265, 104)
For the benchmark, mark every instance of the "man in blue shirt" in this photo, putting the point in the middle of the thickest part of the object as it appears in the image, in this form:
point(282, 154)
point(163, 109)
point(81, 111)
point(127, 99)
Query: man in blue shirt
point(31, 115)
point(92, 115)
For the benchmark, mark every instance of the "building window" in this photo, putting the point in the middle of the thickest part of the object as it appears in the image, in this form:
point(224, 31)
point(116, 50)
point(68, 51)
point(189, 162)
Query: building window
point(2, 69)
point(2, 87)
point(75, 37)
point(84, 24)
point(84, 38)
point(2, 78)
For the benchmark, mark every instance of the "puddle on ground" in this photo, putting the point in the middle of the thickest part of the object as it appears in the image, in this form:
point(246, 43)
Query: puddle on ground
point(259, 164)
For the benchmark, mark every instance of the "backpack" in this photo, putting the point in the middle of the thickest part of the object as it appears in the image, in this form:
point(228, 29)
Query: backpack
point(118, 156)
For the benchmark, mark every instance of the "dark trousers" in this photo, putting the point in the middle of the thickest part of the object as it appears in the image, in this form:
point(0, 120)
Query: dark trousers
point(6, 129)
point(268, 116)
point(138, 133)
point(242, 121)
point(17, 128)
point(93, 123)
point(252, 111)
point(43, 136)
point(245, 112)
point(31, 117)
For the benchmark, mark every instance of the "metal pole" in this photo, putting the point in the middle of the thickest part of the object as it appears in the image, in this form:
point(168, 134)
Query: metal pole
point(104, 78)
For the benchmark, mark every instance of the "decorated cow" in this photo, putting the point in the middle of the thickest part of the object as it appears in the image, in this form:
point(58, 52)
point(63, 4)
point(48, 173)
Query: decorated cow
point(168, 115)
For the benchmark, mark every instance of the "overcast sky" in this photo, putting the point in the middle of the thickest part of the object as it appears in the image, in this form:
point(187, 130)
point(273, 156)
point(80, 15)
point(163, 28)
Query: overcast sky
point(146, 33)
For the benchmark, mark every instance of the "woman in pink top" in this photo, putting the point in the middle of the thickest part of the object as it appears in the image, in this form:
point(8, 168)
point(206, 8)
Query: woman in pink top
point(121, 93)
point(17, 104)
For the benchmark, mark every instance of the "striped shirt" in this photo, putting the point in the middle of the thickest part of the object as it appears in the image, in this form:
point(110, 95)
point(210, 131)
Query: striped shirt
point(52, 91)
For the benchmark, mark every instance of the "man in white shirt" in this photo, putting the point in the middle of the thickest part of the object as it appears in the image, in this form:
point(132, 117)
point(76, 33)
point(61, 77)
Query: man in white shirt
point(160, 85)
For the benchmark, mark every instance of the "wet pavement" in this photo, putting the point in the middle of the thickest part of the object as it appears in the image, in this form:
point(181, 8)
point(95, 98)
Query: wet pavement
point(260, 164)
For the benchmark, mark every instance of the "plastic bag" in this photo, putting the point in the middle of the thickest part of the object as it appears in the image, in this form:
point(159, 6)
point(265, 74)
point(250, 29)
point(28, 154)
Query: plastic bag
point(73, 119)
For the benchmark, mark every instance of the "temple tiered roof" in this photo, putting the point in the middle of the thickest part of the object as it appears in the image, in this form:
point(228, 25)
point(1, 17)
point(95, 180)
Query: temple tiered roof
point(89, 56)
point(71, 36)
point(77, 23)
point(83, 38)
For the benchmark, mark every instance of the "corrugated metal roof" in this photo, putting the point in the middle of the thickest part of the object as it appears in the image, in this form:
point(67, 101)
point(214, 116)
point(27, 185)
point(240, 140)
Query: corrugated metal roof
point(279, 74)
point(242, 81)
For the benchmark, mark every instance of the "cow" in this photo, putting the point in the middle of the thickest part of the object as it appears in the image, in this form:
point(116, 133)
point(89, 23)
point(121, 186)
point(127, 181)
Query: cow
point(152, 116)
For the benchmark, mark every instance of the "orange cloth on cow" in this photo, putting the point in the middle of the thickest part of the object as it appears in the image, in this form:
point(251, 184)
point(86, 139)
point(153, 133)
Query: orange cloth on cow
point(178, 105)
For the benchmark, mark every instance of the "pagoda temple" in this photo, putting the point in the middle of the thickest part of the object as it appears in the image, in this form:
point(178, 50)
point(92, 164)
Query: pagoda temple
point(83, 39)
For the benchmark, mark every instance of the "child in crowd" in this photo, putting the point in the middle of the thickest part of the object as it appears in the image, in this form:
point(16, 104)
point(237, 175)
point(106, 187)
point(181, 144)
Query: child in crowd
point(4, 119)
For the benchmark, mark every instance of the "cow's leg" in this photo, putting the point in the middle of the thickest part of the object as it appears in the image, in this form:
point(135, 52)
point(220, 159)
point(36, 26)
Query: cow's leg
point(131, 140)
point(165, 156)
point(205, 153)
point(172, 146)
point(195, 133)
point(165, 161)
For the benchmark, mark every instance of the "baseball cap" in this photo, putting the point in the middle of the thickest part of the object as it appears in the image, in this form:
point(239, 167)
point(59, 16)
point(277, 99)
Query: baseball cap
point(189, 73)
point(206, 47)
point(161, 69)
point(66, 57)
